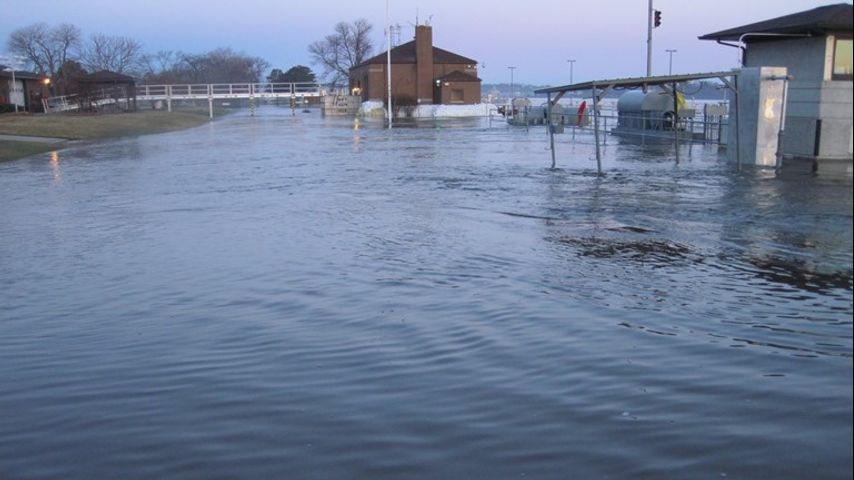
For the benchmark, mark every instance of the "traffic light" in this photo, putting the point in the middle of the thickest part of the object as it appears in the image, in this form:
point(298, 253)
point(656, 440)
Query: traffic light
point(657, 21)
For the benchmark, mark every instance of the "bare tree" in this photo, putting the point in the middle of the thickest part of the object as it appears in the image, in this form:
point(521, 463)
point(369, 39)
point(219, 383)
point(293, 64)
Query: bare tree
point(66, 39)
point(160, 61)
point(114, 53)
point(45, 48)
point(347, 47)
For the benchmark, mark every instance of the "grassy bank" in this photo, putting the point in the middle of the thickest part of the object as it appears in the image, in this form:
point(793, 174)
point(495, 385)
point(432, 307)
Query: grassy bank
point(106, 125)
point(90, 126)
point(13, 150)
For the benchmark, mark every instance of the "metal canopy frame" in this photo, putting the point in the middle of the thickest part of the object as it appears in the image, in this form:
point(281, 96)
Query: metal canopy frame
point(598, 88)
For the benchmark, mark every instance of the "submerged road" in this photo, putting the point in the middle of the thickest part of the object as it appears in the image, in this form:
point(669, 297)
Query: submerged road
point(307, 297)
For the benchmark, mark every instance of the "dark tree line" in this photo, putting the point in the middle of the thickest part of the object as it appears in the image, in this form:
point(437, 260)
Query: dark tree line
point(62, 53)
point(295, 74)
point(222, 65)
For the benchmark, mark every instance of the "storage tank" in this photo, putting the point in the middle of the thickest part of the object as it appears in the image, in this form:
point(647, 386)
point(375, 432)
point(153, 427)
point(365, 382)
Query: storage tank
point(637, 110)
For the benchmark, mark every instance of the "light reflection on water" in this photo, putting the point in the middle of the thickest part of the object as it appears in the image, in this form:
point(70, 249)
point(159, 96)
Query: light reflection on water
point(55, 167)
point(295, 297)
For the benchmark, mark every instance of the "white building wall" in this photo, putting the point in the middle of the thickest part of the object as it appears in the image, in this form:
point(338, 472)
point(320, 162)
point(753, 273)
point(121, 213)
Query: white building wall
point(16, 92)
point(817, 109)
point(756, 116)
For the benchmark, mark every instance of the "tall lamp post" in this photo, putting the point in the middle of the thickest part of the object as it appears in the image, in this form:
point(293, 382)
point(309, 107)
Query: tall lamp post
point(571, 65)
point(511, 80)
point(649, 27)
point(670, 68)
point(388, 63)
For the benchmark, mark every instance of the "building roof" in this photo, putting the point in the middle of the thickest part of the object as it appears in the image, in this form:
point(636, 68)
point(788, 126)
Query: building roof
point(20, 74)
point(458, 76)
point(818, 21)
point(106, 76)
point(637, 81)
point(406, 54)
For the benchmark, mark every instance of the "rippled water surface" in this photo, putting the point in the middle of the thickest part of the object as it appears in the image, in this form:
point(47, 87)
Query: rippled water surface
point(277, 297)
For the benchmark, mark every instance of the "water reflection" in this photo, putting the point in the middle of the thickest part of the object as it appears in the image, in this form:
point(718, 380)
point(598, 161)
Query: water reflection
point(55, 167)
point(801, 274)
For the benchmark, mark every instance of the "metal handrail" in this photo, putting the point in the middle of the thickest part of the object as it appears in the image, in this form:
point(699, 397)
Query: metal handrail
point(203, 89)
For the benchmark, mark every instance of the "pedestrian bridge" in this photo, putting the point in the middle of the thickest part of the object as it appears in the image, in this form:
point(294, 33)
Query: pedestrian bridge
point(202, 91)
point(216, 91)
point(228, 90)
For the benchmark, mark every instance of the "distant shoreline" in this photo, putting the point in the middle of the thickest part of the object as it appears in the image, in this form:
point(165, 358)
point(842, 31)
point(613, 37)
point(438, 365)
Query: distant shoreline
point(69, 127)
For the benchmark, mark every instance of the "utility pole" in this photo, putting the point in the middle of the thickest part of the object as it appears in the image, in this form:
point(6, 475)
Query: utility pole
point(670, 67)
point(388, 62)
point(649, 41)
point(511, 80)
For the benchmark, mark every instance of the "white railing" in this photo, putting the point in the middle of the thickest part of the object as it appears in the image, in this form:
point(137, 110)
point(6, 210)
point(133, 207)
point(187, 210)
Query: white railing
point(93, 99)
point(62, 103)
point(201, 91)
point(228, 90)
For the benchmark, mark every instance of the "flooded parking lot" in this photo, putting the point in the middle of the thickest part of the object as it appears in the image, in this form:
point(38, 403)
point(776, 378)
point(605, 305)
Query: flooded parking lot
point(300, 297)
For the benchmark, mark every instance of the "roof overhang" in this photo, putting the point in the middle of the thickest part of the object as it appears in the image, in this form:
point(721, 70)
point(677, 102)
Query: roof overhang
point(21, 75)
point(638, 81)
point(820, 21)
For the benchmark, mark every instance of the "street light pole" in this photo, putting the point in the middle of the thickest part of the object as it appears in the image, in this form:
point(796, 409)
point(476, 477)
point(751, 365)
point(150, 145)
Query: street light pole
point(388, 63)
point(649, 22)
point(511, 80)
point(670, 68)
point(571, 65)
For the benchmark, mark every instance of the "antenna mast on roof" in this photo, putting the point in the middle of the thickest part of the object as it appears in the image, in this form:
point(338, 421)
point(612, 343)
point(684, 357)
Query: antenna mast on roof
point(396, 29)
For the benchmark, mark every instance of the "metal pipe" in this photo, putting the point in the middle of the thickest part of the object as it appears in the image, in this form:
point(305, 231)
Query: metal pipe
point(675, 120)
point(782, 121)
point(551, 129)
point(737, 126)
point(762, 34)
point(596, 130)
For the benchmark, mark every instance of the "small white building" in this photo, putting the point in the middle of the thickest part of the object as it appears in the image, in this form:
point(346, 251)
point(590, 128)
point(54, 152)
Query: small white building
point(816, 48)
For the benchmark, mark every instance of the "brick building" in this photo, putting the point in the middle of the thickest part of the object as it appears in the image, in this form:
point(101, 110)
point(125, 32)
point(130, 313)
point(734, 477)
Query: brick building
point(27, 91)
point(420, 74)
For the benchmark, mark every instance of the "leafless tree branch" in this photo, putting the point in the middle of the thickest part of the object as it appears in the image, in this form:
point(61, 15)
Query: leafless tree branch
point(348, 46)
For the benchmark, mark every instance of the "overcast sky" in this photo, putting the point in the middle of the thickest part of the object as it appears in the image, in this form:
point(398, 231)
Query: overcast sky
point(607, 38)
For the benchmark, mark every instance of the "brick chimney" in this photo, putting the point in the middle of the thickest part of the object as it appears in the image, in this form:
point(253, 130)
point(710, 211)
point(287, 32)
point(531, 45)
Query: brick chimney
point(424, 64)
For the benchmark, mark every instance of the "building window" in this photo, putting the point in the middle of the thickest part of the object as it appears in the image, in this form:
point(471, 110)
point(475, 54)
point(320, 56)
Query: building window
point(456, 95)
point(842, 60)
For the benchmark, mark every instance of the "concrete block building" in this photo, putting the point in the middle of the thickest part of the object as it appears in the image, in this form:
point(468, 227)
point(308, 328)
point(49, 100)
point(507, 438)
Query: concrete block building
point(816, 48)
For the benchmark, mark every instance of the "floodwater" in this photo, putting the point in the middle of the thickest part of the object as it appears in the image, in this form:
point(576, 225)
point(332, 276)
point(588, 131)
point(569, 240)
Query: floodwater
point(278, 297)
